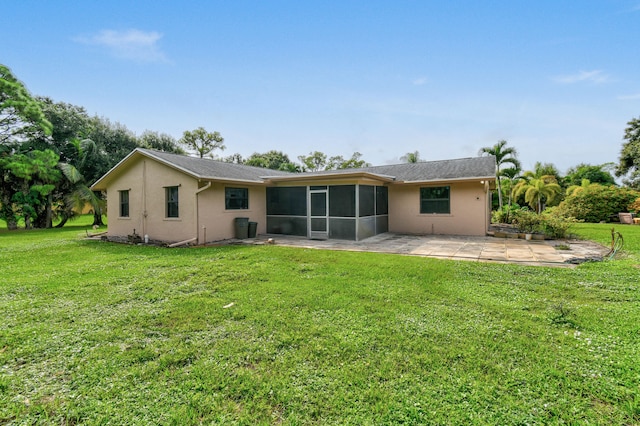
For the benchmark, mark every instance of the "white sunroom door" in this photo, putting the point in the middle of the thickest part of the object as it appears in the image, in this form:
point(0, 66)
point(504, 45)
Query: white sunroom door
point(318, 214)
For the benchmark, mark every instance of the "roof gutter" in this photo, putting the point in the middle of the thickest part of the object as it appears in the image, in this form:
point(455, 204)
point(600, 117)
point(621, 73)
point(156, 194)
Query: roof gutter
point(465, 179)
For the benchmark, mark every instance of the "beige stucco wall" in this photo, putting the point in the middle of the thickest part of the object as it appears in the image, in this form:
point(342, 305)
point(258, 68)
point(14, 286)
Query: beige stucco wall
point(149, 197)
point(218, 221)
point(146, 181)
point(469, 210)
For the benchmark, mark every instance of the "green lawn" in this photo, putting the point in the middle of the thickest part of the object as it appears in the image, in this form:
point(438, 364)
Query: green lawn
point(100, 333)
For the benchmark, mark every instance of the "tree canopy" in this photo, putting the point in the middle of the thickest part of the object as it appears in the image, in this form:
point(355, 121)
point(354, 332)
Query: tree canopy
point(629, 164)
point(503, 156)
point(594, 174)
point(202, 142)
point(411, 157)
point(20, 114)
point(275, 160)
point(317, 161)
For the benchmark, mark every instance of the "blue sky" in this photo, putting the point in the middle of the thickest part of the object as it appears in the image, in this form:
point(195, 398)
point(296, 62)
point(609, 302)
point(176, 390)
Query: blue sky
point(557, 79)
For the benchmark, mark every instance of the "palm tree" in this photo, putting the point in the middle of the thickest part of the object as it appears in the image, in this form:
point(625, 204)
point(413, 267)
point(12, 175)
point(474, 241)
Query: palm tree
point(575, 189)
point(537, 192)
point(78, 192)
point(79, 196)
point(411, 157)
point(512, 174)
point(503, 155)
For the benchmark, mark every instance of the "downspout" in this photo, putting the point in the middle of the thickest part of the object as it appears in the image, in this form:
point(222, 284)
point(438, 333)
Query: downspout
point(487, 206)
point(204, 188)
point(144, 197)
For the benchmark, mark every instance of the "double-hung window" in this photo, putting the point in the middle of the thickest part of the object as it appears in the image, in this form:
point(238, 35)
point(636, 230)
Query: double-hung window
point(124, 203)
point(435, 199)
point(171, 195)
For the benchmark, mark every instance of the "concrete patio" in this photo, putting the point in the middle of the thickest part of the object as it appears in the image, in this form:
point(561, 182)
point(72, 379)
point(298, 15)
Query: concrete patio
point(562, 253)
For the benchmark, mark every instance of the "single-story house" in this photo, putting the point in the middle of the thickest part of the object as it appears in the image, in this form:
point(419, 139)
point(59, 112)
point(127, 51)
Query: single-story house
point(176, 198)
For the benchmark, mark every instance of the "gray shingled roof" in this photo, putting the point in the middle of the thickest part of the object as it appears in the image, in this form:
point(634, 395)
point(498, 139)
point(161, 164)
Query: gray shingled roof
point(463, 168)
point(205, 168)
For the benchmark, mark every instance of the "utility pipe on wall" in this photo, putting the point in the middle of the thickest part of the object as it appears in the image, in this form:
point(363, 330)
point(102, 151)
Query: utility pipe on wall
point(204, 188)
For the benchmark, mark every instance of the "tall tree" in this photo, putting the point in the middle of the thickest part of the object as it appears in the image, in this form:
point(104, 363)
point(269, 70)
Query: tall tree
point(629, 163)
point(411, 157)
point(202, 142)
point(503, 155)
point(338, 162)
point(512, 174)
point(548, 171)
point(159, 142)
point(537, 192)
point(317, 161)
point(594, 174)
point(275, 160)
point(35, 175)
point(313, 162)
point(20, 114)
point(234, 158)
point(21, 117)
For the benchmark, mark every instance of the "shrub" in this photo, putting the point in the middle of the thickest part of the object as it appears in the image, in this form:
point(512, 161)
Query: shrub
point(635, 206)
point(596, 203)
point(504, 215)
point(527, 221)
point(554, 225)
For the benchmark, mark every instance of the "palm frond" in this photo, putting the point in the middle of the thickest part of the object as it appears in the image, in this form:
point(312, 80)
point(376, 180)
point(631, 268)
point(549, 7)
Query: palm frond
point(71, 173)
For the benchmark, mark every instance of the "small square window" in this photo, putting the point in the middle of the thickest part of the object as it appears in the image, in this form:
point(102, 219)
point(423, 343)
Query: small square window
point(124, 203)
point(435, 200)
point(171, 193)
point(236, 198)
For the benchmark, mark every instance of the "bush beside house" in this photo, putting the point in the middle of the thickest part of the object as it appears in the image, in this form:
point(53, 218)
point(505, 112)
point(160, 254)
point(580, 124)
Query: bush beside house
point(597, 203)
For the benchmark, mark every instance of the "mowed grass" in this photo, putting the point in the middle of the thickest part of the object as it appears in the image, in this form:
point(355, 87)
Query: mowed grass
point(101, 333)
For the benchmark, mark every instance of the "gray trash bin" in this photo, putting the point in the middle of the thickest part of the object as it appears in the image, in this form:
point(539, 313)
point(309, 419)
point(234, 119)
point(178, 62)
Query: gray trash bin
point(242, 227)
point(253, 227)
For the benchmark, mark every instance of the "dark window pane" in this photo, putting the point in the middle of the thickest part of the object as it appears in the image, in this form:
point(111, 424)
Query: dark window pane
point(435, 200)
point(287, 201)
point(342, 201)
point(318, 187)
point(124, 203)
point(382, 200)
point(367, 200)
point(172, 201)
point(236, 198)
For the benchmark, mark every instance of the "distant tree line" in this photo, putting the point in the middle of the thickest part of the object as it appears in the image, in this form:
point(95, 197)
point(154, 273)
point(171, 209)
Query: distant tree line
point(587, 192)
point(51, 152)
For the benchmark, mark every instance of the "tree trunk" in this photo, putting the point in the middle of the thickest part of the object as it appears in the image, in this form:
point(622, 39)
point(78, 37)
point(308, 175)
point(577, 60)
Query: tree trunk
point(499, 193)
point(64, 218)
point(7, 212)
point(9, 217)
point(49, 212)
point(97, 218)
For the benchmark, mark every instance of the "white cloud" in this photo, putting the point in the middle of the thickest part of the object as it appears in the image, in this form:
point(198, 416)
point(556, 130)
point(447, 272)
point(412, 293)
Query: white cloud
point(420, 81)
point(128, 44)
point(633, 97)
point(595, 76)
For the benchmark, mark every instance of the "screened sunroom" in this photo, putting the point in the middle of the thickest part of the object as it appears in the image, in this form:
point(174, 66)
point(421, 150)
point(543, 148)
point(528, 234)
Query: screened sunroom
point(341, 211)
